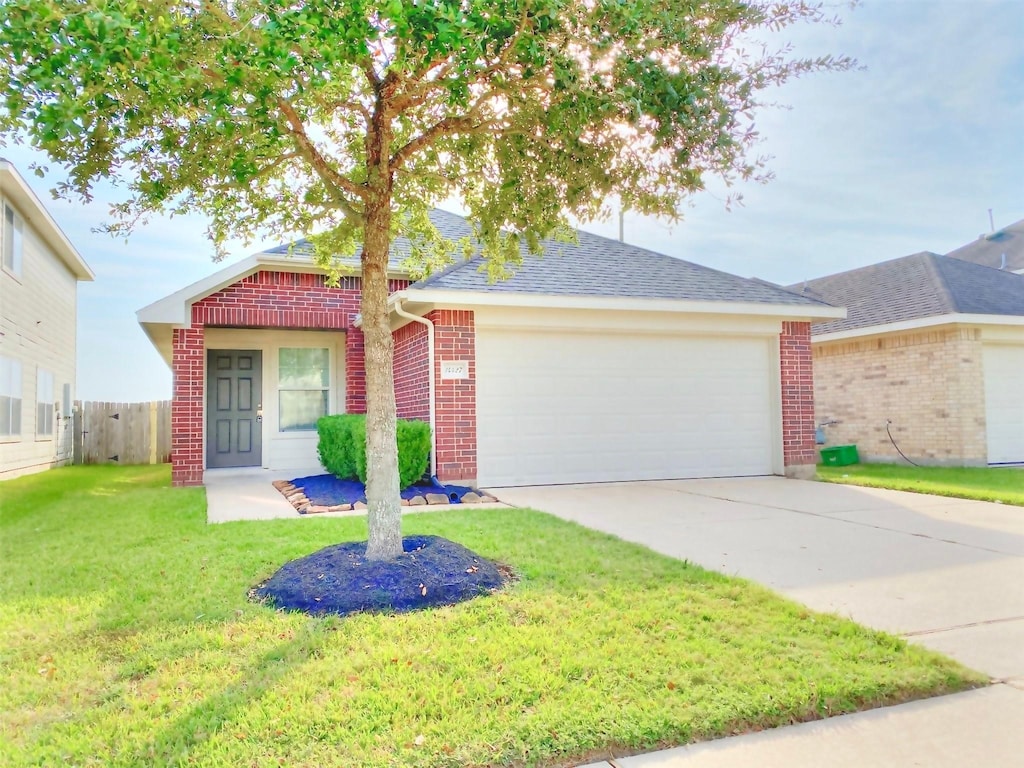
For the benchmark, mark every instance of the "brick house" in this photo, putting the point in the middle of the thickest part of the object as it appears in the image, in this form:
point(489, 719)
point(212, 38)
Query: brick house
point(932, 348)
point(599, 361)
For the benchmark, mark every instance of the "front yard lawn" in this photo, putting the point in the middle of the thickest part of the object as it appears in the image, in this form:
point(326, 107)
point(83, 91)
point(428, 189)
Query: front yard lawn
point(1005, 484)
point(126, 640)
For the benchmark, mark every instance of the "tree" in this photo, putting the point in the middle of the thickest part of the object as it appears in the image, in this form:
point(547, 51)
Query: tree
point(350, 119)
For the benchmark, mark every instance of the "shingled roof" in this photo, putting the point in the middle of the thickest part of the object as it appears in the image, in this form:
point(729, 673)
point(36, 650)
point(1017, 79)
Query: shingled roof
point(918, 286)
point(1000, 250)
point(596, 266)
point(599, 266)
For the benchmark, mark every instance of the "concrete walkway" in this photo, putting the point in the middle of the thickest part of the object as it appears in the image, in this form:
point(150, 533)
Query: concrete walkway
point(945, 573)
point(247, 493)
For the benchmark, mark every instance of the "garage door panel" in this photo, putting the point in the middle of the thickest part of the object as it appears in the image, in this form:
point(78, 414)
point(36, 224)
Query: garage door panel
point(1003, 366)
point(581, 407)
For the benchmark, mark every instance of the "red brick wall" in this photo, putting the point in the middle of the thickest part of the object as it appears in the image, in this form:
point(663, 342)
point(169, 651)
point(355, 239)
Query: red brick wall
point(455, 339)
point(284, 300)
point(187, 407)
point(798, 445)
point(265, 299)
point(412, 372)
point(355, 372)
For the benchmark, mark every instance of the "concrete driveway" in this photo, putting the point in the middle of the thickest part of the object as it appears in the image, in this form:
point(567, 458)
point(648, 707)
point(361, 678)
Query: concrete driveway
point(946, 573)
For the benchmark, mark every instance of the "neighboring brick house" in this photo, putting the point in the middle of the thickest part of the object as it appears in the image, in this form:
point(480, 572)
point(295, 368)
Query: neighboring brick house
point(39, 280)
point(932, 348)
point(599, 361)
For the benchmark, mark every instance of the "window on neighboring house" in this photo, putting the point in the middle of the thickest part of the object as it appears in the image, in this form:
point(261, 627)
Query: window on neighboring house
point(303, 384)
point(12, 243)
point(10, 397)
point(44, 403)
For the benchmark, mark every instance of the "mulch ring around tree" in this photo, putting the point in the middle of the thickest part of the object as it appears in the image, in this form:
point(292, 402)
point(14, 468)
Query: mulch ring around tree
point(432, 571)
point(326, 493)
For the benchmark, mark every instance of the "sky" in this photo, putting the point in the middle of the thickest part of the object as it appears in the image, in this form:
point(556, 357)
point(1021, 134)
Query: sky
point(906, 154)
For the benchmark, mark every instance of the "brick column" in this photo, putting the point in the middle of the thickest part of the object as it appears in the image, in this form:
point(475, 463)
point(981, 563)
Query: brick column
point(800, 455)
point(189, 366)
point(455, 409)
point(355, 371)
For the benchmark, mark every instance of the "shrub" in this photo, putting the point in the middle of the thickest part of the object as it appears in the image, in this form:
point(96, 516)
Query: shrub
point(413, 451)
point(337, 446)
point(342, 447)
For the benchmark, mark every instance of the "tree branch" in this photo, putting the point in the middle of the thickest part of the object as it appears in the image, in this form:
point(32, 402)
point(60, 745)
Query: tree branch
point(464, 123)
point(334, 180)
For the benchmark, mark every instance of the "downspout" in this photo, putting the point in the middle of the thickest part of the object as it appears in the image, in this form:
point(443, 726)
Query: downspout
point(430, 380)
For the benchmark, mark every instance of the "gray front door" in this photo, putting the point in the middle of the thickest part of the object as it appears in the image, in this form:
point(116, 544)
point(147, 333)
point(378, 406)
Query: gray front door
point(234, 402)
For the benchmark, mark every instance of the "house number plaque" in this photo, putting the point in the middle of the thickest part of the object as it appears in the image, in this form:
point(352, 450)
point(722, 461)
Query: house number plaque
point(454, 369)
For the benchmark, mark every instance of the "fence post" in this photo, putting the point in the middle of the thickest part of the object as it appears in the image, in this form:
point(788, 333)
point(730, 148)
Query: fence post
point(152, 432)
point(77, 453)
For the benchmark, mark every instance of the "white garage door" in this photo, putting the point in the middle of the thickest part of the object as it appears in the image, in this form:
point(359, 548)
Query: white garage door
point(573, 407)
point(1004, 402)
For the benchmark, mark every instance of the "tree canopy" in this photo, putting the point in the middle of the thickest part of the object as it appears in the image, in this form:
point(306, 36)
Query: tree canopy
point(261, 115)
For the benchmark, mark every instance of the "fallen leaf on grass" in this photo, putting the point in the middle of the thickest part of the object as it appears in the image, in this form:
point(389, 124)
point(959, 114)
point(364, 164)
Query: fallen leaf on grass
point(670, 685)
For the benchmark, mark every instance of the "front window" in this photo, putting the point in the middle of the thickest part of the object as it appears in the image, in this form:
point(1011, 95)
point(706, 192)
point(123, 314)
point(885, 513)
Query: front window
point(303, 384)
point(12, 241)
point(44, 403)
point(10, 397)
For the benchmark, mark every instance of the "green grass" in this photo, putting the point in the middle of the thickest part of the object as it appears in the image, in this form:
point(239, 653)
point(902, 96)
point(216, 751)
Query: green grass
point(126, 640)
point(1004, 484)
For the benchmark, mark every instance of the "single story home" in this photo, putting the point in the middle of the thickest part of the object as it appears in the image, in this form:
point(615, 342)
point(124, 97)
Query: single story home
point(929, 361)
point(600, 361)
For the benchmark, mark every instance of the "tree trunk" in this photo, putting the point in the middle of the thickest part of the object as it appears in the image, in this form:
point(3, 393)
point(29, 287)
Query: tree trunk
point(382, 491)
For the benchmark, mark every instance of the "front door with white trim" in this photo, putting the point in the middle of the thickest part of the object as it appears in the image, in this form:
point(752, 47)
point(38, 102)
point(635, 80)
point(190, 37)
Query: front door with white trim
point(234, 408)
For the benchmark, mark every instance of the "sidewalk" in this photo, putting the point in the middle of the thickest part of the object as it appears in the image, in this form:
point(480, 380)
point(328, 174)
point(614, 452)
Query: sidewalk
point(984, 727)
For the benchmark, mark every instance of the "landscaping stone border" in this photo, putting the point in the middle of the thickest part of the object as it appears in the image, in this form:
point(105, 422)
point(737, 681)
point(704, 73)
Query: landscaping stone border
point(297, 498)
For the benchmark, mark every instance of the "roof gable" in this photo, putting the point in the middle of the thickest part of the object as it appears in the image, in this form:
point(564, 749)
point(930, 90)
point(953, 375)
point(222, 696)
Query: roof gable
point(13, 187)
point(912, 287)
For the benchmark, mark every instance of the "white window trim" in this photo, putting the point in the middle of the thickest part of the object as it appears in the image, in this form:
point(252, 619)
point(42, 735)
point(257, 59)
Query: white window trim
point(41, 375)
point(16, 392)
point(16, 268)
point(329, 389)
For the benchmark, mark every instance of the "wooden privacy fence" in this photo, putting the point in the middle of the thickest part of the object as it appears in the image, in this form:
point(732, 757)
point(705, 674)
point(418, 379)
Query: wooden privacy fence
point(123, 433)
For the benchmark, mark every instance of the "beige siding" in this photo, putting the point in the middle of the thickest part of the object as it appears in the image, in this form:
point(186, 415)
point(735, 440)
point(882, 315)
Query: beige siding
point(37, 328)
point(929, 384)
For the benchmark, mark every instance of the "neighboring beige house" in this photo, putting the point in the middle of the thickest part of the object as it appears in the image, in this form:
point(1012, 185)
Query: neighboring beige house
point(39, 279)
point(932, 349)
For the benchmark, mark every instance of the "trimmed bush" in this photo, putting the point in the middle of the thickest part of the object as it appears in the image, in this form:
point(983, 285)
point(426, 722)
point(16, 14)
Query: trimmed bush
point(413, 451)
point(342, 447)
point(337, 444)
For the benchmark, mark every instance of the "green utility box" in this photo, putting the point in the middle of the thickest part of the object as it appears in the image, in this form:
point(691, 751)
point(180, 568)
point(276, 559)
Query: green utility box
point(839, 455)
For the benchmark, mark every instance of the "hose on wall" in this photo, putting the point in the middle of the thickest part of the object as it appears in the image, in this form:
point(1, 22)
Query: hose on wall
point(893, 441)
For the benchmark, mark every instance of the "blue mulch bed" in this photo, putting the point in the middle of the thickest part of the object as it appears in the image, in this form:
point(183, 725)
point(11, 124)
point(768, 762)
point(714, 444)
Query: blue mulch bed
point(433, 571)
point(327, 490)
